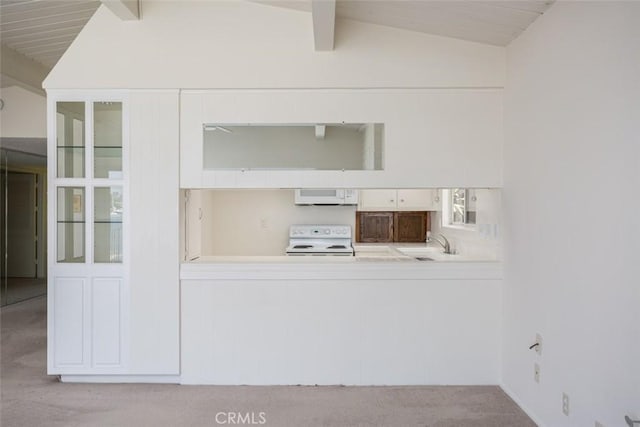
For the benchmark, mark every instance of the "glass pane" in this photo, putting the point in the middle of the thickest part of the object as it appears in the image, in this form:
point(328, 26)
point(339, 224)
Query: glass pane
point(108, 162)
point(70, 139)
point(108, 224)
point(107, 139)
point(458, 205)
point(326, 146)
point(71, 224)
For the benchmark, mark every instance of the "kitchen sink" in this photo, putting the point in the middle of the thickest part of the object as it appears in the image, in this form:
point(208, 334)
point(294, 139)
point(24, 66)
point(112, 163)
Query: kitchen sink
point(427, 253)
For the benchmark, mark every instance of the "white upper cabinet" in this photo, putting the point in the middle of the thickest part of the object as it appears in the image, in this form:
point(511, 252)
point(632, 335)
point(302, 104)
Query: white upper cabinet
point(399, 200)
point(432, 137)
point(378, 200)
point(419, 200)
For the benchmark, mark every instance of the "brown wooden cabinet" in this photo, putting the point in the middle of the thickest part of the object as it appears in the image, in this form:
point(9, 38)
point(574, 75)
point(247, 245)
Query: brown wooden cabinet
point(388, 227)
point(410, 226)
point(374, 227)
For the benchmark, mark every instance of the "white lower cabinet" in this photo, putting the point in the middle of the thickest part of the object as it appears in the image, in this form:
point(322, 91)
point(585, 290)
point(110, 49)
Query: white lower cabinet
point(106, 324)
point(68, 323)
point(399, 200)
point(88, 329)
point(378, 324)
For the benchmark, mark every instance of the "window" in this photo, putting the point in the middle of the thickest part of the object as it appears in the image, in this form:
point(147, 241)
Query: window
point(458, 209)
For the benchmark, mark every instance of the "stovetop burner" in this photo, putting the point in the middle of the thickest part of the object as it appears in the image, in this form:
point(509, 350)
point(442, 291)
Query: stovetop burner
point(320, 240)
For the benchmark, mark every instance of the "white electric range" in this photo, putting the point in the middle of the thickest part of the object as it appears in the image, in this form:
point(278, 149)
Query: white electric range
point(320, 240)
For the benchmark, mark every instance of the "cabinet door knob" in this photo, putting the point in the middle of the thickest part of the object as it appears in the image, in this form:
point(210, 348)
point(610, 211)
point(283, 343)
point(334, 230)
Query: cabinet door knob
point(401, 200)
point(391, 200)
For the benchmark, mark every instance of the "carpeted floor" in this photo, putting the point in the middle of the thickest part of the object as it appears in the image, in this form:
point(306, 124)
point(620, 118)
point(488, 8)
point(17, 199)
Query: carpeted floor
point(31, 398)
point(16, 289)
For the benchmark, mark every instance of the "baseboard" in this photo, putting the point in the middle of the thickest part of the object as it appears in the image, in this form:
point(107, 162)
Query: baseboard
point(115, 379)
point(522, 406)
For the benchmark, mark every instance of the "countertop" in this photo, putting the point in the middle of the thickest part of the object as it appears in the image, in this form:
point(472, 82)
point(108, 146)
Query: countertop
point(412, 251)
point(368, 265)
point(383, 253)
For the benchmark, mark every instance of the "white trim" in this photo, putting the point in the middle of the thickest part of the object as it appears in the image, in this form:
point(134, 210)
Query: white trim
point(522, 406)
point(125, 295)
point(88, 181)
point(51, 213)
point(121, 379)
point(468, 227)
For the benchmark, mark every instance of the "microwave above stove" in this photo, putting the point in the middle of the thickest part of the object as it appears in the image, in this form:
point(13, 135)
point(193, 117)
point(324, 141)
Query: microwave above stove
point(329, 196)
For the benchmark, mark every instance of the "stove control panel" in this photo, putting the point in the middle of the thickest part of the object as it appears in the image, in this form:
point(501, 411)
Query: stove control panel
point(320, 231)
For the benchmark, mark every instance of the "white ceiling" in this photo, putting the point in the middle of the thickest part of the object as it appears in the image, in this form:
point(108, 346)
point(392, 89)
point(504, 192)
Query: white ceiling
point(491, 22)
point(42, 30)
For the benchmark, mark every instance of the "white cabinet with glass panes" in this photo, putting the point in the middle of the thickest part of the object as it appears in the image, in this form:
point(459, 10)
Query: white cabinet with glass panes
point(88, 253)
point(399, 200)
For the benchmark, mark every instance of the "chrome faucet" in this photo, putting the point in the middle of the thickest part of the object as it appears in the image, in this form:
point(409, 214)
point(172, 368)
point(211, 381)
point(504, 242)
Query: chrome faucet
point(443, 242)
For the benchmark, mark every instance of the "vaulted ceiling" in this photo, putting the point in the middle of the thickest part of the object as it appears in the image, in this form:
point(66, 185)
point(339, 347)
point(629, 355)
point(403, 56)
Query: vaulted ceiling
point(35, 33)
point(491, 22)
point(43, 30)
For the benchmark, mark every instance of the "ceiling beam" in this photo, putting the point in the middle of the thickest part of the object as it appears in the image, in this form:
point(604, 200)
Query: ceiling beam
point(127, 10)
point(19, 70)
point(323, 13)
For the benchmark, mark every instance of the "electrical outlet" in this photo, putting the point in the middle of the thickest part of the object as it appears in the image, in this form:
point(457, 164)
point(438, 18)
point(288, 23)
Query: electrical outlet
point(539, 346)
point(536, 372)
point(565, 404)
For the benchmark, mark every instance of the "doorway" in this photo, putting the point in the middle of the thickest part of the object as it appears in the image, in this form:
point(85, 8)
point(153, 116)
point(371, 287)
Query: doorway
point(23, 222)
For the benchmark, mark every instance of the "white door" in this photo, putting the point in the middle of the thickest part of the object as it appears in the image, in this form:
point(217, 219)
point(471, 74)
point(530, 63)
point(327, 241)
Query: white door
point(193, 245)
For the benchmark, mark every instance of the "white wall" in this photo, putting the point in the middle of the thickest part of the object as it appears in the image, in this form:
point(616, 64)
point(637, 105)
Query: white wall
point(432, 137)
point(239, 44)
point(256, 222)
point(24, 114)
point(572, 157)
